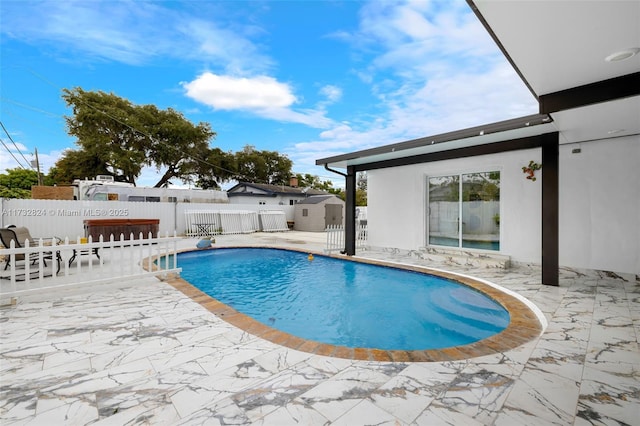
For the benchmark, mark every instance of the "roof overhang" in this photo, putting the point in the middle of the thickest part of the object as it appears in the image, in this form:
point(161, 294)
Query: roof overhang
point(515, 129)
point(582, 96)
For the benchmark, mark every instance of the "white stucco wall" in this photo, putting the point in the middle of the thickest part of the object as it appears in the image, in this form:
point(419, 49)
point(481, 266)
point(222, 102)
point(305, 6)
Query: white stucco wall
point(599, 204)
point(397, 200)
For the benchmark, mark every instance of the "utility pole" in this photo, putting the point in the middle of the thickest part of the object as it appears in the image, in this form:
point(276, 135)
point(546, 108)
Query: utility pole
point(38, 169)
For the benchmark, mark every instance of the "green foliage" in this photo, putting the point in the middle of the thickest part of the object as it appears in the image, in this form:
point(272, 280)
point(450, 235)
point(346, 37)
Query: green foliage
point(262, 166)
point(218, 167)
point(361, 197)
point(17, 183)
point(177, 145)
point(311, 181)
point(19, 179)
point(6, 192)
point(481, 186)
point(79, 164)
point(108, 129)
point(118, 138)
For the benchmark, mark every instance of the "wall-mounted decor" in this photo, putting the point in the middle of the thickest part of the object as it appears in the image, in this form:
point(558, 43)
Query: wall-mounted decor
point(530, 170)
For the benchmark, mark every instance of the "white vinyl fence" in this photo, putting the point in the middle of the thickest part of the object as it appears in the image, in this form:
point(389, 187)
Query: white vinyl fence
point(65, 218)
point(84, 263)
point(336, 237)
point(273, 221)
point(214, 222)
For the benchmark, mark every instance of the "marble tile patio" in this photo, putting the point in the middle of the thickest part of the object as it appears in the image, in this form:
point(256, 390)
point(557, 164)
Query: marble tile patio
point(142, 352)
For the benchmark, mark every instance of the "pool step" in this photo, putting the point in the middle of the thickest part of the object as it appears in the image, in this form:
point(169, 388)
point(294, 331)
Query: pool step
point(464, 257)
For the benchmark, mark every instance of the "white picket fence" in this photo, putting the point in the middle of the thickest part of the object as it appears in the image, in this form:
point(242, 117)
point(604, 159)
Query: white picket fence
point(85, 263)
point(216, 222)
point(336, 237)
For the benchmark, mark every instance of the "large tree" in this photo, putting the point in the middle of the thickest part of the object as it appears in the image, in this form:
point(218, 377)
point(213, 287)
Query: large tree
point(176, 145)
point(78, 164)
point(215, 168)
point(262, 166)
point(120, 138)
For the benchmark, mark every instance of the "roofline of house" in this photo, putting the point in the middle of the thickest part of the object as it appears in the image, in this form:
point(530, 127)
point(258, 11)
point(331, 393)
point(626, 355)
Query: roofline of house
point(298, 192)
point(601, 91)
point(486, 129)
point(252, 194)
point(498, 43)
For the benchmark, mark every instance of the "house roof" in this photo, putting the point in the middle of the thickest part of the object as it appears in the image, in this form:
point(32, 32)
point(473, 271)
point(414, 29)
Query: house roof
point(268, 190)
point(559, 49)
point(317, 199)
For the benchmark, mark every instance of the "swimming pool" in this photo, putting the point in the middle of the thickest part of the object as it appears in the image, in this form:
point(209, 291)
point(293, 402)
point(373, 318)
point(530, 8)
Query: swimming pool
point(345, 303)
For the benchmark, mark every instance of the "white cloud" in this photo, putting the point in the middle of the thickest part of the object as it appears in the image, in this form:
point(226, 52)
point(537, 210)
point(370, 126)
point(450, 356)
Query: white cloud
point(215, 44)
point(133, 32)
point(434, 69)
point(332, 93)
point(263, 96)
point(228, 93)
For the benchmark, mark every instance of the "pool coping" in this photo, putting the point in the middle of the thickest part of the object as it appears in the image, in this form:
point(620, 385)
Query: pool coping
point(525, 324)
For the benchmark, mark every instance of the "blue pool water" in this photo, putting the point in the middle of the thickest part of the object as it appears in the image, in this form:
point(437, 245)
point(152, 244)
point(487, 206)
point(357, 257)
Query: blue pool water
point(342, 302)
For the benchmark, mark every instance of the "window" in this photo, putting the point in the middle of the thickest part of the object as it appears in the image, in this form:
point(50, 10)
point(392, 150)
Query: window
point(261, 203)
point(305, 212)
point(474, 197)
point(292, 202)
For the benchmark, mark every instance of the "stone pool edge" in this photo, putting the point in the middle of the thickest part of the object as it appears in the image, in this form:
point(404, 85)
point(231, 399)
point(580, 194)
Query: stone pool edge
point(524, 325)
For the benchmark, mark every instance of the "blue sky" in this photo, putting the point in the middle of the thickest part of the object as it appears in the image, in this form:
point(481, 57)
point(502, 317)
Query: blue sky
point(309, 79)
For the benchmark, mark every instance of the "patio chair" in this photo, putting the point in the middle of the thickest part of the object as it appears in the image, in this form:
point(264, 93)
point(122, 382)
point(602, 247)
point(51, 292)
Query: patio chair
point(19, 235)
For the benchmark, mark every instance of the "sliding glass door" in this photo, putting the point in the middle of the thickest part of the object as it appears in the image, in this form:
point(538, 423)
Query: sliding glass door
point(464, 210)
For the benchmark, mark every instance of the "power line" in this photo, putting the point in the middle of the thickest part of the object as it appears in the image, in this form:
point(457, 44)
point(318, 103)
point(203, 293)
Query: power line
point(11, 153)
point(50, 83)
point(32, 108)
point(153, 139)
point(15, 145)
point(176, 149)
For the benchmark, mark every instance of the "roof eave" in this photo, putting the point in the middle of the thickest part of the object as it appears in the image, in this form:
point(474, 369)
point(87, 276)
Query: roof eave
point(438, 142)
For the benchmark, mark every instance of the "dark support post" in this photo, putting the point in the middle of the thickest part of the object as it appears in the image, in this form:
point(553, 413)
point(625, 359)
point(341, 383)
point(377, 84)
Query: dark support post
point(550, 209)
point(350, 213)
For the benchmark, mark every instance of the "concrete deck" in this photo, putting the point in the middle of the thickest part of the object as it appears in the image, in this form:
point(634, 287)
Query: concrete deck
point(142, 352)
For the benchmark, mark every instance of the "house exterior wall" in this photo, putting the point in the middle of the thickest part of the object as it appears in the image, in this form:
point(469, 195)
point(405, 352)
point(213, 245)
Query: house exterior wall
point(600, 205)
point(599, 219)
point(279, 200)
point(397, 202)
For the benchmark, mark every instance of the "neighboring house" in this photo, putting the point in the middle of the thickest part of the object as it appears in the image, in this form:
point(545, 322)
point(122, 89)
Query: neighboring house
point(317, 212)
point(465, 191)
point(265, 194)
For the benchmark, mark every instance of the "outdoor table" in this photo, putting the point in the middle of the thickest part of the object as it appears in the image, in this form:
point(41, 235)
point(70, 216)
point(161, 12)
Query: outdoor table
point(88, 251)
point(204, 229)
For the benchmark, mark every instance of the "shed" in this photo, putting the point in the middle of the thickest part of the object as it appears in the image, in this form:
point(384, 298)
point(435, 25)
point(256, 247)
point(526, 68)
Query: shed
point(317, 212)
